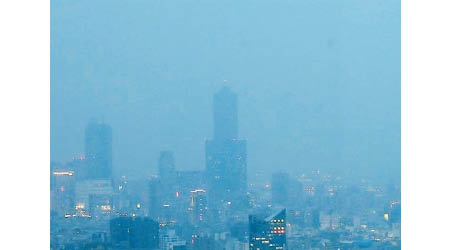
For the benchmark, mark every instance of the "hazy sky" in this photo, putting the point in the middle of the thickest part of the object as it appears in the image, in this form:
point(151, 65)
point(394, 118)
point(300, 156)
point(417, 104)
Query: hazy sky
point(318, 81)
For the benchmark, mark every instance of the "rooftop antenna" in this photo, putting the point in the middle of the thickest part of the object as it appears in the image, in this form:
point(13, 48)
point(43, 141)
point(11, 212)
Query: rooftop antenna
point(225, 83)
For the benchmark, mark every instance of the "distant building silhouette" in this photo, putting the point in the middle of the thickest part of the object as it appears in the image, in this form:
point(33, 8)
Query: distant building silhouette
point(198, 207)
point(94, 197)
point(167, 187)
point(225, 104)
point(155, 198)
point(79, 166)
point(166, 167)
point(62, 191)
point(98, 150)
point(189, 180)
point(170, 190)
point(269, 232)
point(312, 218)
point(226, 156)
point(280, 188)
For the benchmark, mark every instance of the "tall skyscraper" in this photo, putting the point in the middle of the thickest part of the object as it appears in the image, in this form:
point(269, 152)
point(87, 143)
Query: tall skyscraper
point(226, 155)
point(268, 233)
point(98, 150)
point(225, 115)
point(166, 168)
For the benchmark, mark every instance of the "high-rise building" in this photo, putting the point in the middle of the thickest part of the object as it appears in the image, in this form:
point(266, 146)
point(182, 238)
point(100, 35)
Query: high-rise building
point(190, 180)
point(168, 177)
point(155, 199)
point(166, 167)
point(280, 188)
point(296, 194)
point(98, 150)
point(198, 207)
point(269, 232)
point(225, 115)
point(62, 191)
point(79, 166)
point(226, 155)
point(166, 192)
point(312, 218)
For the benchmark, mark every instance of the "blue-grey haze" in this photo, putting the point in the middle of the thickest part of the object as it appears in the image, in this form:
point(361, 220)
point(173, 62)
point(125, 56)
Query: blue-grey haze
point(318, 81)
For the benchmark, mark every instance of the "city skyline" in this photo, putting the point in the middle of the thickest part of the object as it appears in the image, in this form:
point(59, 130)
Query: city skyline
point(311, 96)
point(216, 207)
point(225, 125)
point(153, 167)
point(233, 125)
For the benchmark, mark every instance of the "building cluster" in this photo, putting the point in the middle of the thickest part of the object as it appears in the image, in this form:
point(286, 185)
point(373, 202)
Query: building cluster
point(214, 208)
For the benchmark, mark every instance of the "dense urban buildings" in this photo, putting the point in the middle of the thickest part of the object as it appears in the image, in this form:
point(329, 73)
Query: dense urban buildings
point(219, 207)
